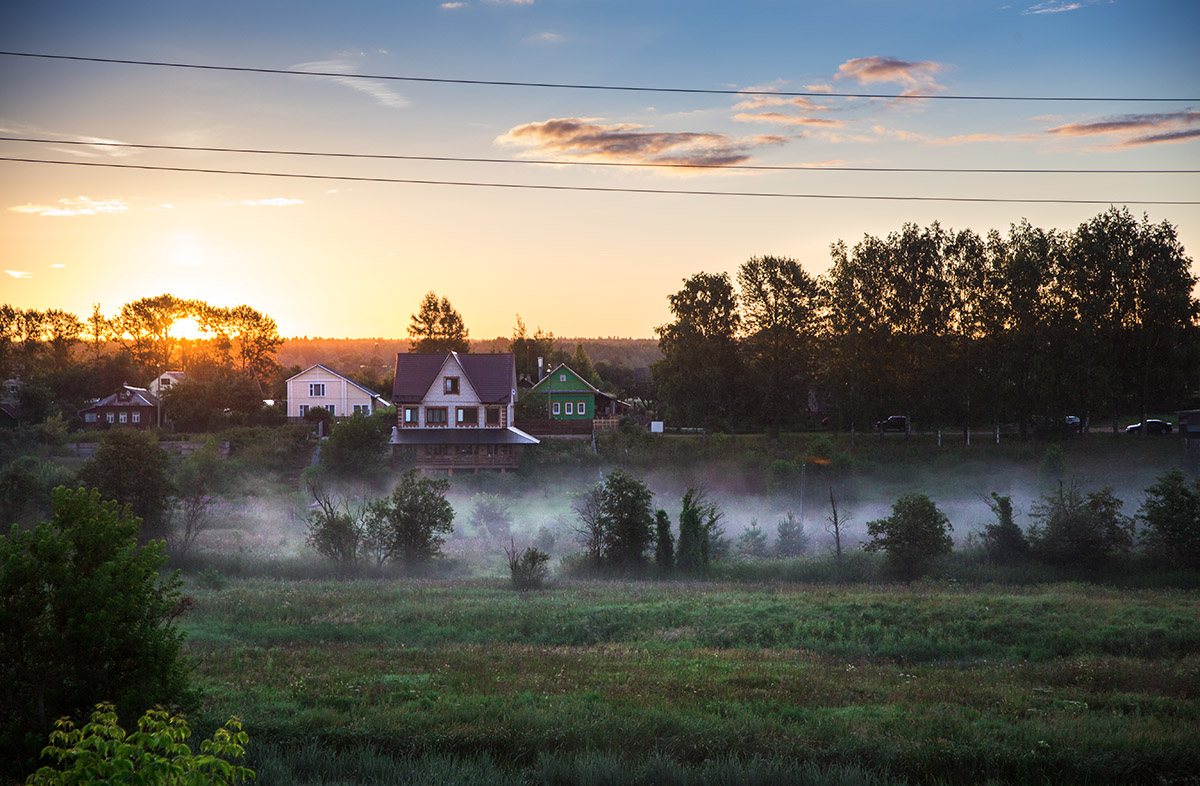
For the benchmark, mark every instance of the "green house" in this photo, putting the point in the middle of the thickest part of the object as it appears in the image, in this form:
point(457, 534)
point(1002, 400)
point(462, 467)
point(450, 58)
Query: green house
point(571, 397)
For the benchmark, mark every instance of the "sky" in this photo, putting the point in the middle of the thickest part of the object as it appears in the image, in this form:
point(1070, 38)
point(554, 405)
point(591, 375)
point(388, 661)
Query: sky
point(344, 258)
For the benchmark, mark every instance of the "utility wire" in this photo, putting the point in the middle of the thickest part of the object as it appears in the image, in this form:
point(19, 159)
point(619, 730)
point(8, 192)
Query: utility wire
point(568, 86)
point(599, 189)
point(753, 167)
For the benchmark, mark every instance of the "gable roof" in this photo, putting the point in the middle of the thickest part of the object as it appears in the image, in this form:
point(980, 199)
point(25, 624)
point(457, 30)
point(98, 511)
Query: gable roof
point(492, 375)
point(137, 397)
point(576, 384)
point(366, 390)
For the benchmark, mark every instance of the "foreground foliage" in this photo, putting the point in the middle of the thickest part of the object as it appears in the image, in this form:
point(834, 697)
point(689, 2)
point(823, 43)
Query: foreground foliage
point(85, 617)
point(157, 753)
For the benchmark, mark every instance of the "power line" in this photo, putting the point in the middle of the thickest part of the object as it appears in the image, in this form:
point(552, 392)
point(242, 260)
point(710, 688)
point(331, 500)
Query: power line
point(569, 86)
point(628, 164)
point(599, 189)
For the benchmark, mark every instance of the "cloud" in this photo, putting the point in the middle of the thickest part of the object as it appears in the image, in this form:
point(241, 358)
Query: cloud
point(586, 139)
point(454, 5)
point(383, 95)
point(19, 274)
point(918, 76)
point(270, 202)
point(58, 265)
point(79, 206)
point(785, 119)
point(819, 88)
point(1051, 7)
point(1154, 139)
point(1127, 124)
point(961, 139)
point(546, 38)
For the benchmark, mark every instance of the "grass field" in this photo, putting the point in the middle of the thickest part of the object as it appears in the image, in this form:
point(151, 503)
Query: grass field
point(702, 683)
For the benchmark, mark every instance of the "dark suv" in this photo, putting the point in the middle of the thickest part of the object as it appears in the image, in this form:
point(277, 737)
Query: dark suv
point(893, 423)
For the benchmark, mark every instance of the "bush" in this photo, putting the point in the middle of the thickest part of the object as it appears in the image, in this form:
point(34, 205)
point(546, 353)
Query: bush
point(132, 469)
point(1074, 530)
point(915, 535)
point(528, 568)
point(157, 753)
point(1003, 542)
point(85, 618)
point(1171, 512)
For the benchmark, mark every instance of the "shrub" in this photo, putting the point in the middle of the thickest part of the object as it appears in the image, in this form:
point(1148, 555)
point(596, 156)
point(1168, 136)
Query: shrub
point(491, 515)
point(1004, 542)
point(1171, 512)
point(1074, 530)
point(132, 469)
point(86, 618)
point(914, 536)
point(157, 753)
point(792, 539)
point(528, 568)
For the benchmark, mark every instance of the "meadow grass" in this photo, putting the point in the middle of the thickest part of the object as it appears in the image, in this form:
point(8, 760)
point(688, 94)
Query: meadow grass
point(692, 683)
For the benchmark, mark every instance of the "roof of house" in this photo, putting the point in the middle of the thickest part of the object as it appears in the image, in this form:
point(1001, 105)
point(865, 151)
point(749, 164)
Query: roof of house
point(575, 384)
point(322, 366)
point(461, 436)
point(178, 376)
point(134, 397)
point(492, 375)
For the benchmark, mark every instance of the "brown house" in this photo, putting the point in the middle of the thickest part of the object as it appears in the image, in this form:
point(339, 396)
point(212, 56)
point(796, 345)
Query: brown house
point(455, 412)
point(129, 407)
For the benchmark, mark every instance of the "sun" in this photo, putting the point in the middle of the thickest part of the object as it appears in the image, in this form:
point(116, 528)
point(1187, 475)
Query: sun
point(187, 328)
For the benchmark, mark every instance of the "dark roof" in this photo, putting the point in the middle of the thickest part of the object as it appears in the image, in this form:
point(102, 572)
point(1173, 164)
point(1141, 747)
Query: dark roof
point(137, 397)
point(461, 436)
point(492, 375)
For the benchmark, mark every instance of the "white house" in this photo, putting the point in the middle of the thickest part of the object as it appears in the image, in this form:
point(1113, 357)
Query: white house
point(166, 381)
point(318, 386)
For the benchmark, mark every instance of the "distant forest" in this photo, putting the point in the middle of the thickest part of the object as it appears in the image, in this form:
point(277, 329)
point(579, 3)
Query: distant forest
point(356, 355)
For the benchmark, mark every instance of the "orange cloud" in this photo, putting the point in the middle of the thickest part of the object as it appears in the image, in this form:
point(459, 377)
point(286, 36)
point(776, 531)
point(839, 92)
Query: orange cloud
point(585, 139)
point(869, 70)
point(785, 119)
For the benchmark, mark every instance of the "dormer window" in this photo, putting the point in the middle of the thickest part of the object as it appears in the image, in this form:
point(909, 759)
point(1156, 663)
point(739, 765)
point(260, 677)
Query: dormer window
point(450, 386)
point(562, 377)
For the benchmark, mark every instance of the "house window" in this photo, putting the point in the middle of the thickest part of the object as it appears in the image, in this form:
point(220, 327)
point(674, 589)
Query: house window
point(136, 417)
point(316, 389)
point(110, 416)
point(450, 385)
point(492, 416)
point(89, 417)
point(410, 416)
point(303, 410)
point(581, 408)
point(562, 377)
point(164, 383)
point(124, 417)
point(570, 408)
point(362, 409)
point(435, 416)
point(330, 408)
point(468, 416)
point(555, 408)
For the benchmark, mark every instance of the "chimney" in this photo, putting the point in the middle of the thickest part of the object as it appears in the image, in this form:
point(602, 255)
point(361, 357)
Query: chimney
point(540, 370)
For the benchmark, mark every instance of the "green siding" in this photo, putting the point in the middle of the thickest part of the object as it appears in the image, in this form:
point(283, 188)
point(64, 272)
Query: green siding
point(565, 387)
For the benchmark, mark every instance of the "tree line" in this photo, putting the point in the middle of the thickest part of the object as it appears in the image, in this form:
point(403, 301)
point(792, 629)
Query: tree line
point(64, 361)
point(947, 327)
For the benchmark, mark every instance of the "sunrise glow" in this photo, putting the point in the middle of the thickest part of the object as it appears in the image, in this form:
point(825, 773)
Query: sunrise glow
point(352, 255)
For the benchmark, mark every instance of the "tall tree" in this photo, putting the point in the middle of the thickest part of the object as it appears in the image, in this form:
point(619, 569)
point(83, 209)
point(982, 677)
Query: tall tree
point(98, 332)
point(64, 330)
point(526, 350)
point(437, 327)
point(779, 307)
point(628, 521)
point(144, 329)
point(700, 371)
point(256, 339)
point(415, 519)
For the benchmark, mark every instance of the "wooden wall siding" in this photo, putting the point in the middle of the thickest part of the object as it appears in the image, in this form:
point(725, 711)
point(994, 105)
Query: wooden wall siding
point(338, 391)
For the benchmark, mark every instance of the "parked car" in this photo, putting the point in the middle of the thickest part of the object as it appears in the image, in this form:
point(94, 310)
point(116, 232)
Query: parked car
point(893, 423)
point(1152, 425)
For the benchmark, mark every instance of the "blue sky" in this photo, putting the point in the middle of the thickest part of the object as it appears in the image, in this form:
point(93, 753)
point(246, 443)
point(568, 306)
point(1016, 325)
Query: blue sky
point(337, 258)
